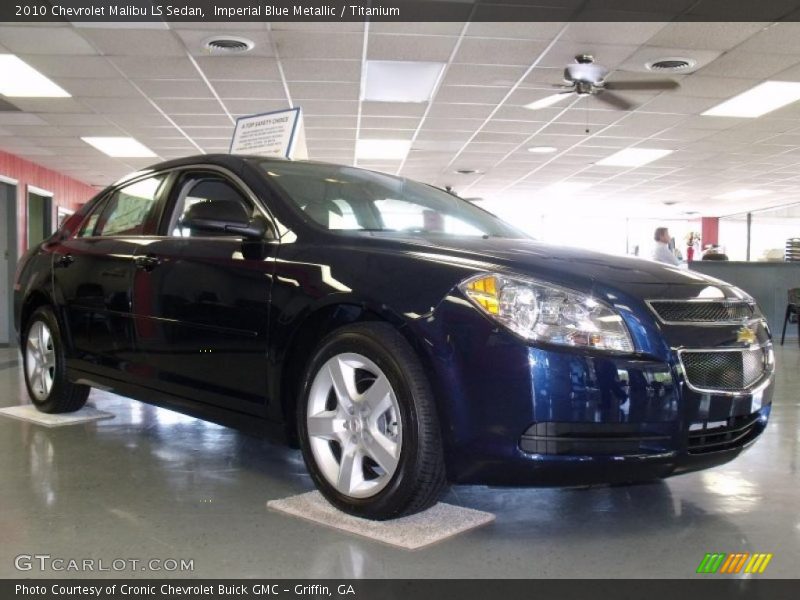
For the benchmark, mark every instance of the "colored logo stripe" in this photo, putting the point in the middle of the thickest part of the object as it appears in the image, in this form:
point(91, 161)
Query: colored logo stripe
point(711, 563)
point(720, 562)
point(758, 563)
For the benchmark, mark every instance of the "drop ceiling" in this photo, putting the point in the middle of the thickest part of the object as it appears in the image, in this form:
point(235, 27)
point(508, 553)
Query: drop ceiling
point(158, 85)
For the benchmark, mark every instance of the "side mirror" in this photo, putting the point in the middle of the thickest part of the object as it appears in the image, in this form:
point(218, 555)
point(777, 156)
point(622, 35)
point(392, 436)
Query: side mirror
point(226, 217)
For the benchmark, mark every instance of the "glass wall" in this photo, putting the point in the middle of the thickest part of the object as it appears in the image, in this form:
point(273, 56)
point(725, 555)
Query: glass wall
point(769, 230)
point(612, 235)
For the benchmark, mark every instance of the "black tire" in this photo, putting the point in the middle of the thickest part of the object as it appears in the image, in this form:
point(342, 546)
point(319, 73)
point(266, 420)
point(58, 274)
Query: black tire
point(64, 396)
point(419, 478)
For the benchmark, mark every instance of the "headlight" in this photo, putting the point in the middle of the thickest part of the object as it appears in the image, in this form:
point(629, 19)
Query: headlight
point(547, 313)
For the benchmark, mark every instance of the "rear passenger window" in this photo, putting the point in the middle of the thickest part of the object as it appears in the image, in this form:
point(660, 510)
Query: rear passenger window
point(127, 210)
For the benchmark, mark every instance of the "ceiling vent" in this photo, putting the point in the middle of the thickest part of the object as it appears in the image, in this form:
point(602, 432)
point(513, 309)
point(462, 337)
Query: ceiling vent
point(670, 65)
point(228, 44)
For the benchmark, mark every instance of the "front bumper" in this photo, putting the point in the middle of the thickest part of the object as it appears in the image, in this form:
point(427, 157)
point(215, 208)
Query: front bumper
point(514, 414)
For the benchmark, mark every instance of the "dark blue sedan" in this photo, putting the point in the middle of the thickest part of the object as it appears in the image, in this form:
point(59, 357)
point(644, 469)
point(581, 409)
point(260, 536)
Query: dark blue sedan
point(402, 337)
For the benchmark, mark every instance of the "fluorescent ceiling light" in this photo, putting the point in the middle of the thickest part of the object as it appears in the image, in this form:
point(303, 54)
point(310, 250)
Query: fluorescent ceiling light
point(542, 149)
point(382, 149)
point(20, 80)
point(742, 194)
point(546, 101)
point(400, 81)
point(120, 147)
point(633, 157)
point(757, 101)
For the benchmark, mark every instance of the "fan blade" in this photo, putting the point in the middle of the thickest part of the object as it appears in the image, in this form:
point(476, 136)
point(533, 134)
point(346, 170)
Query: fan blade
point(658, 84)
point(548, 100)
point(614, 100)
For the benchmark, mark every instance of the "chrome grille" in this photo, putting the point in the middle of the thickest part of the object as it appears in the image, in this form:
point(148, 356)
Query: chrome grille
point(703, 311)
point(726, 370)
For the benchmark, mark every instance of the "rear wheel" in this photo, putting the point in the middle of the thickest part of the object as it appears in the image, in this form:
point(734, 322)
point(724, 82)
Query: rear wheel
point(368, 425)
point(43, 355)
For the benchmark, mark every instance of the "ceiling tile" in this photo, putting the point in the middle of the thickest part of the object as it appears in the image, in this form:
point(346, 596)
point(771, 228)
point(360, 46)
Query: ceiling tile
point(166, 67)
point(175, 88)
point(605, 32)
point(62, 41)
point(242, 68)
point(134, 42)
point(318, 44)
point(705, 35)
point(755, 65)
point(322, 70)
point(410, 47)
point(484, 51)
point(323, 91)
point(99, 88)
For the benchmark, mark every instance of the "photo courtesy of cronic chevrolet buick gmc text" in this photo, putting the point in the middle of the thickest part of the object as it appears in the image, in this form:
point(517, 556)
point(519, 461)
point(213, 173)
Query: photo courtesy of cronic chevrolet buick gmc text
point(401, 336)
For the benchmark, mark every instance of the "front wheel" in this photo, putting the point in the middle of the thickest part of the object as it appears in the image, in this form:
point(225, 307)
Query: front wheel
point(368, 424)
point(44, 359)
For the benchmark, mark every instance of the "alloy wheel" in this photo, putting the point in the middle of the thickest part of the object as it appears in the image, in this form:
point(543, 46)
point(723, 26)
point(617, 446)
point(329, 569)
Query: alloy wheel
point(354, 425)
point(40, 360)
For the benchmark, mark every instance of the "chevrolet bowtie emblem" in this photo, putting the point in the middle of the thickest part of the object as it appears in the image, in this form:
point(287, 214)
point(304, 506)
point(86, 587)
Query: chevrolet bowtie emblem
point(746, 335)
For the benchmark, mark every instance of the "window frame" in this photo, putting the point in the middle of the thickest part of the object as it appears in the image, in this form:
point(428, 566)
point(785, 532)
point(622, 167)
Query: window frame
point(150, 223)
point(184, 172)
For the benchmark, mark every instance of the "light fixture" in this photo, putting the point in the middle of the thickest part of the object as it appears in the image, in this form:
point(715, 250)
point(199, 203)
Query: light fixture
point(743, 194)
point(633, 157)
point(120, 147)
point(757, 101)
point(468, 172)
point(546, 101)
point(542, 149)
point(400, 81)
point(20, 80)
point(382, 149)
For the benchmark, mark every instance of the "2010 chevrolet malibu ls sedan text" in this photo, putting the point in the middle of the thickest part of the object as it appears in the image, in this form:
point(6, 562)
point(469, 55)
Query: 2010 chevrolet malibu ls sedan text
point(401, 336)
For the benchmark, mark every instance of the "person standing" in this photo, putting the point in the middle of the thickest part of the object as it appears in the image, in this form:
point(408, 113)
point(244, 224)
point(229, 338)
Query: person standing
point(661, 250)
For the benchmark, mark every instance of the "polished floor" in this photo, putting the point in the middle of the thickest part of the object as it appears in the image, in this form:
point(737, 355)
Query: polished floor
point(153, 484)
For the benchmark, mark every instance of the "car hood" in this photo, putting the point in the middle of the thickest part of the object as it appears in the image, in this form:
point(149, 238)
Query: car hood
point(562, 264)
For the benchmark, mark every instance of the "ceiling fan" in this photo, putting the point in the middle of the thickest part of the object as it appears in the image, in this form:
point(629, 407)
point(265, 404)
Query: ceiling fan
point(586, 78)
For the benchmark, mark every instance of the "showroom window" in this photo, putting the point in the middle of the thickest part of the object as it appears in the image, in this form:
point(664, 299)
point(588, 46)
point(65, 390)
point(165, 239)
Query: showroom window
point(126, 211)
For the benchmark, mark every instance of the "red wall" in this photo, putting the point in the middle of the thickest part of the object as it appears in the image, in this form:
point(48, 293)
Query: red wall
point(67, 192)
point(710, 231)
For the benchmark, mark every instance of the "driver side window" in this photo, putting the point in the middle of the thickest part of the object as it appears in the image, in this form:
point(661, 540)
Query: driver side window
point(205, 188)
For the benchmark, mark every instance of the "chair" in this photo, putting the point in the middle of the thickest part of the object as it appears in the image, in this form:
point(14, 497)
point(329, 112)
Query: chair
point(793, 308)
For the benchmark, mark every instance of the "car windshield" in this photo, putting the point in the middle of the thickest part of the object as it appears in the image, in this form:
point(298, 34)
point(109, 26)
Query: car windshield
point(348, 199)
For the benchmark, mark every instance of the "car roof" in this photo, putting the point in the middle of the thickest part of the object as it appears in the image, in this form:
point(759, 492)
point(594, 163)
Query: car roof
point(230, 161)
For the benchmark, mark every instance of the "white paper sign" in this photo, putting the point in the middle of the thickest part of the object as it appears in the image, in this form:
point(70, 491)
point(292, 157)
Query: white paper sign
point(278, 133)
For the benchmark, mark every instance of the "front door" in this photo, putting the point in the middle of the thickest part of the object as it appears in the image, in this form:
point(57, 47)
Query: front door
point(201, 303)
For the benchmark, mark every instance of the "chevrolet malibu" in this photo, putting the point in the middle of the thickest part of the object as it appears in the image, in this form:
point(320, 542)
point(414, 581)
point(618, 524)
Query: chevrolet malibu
point(403, 338)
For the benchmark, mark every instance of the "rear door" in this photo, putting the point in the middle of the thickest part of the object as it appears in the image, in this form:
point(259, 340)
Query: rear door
point(201, 301)
point(93, 273)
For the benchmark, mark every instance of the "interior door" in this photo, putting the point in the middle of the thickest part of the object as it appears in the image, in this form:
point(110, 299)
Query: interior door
point(8, 257)
point(93, 272)
point(40, 217)
point(202, 303)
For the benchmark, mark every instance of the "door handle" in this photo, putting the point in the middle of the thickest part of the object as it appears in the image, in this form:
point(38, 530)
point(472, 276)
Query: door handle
point(147, 262)
point(65, 260)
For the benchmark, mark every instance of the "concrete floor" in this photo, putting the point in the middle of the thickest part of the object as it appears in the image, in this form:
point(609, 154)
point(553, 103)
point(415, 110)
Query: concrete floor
point(151, 483)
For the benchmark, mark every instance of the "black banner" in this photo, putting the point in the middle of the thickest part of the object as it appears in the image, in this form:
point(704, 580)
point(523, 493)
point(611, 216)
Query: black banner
point(398, 10)
point(389, 589)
